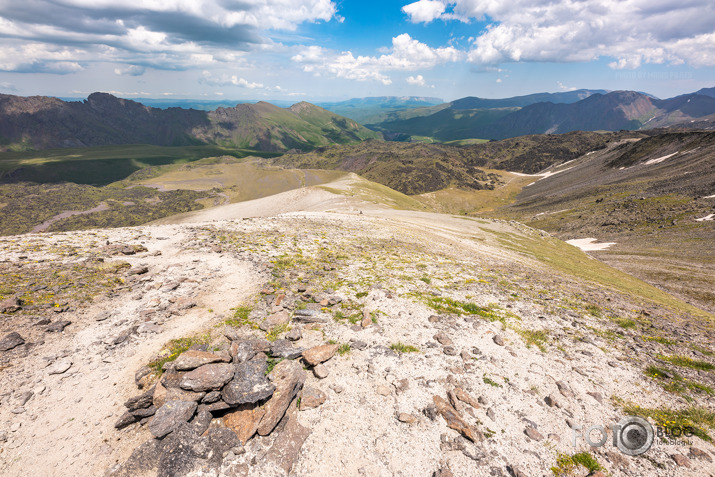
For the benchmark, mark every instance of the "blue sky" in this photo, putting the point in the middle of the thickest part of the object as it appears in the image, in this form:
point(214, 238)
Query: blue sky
point(333, 50)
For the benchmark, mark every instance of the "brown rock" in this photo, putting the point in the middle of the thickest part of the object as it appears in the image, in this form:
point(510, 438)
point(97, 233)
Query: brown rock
point(10, 305)
point(596, 396)
point(276, 319)
point(383, 390)
point(681, 460)
point(10, 341)
point(163, 394)
point(366, 319)
point(443, 339)
point(552, 401)
point(291, 436)
point(498, 340)
point(533, 434)
point(207, 377)
point(320, 371)
point(463, 396)
point(288, 377)
point(193, 359)
point(696, 453)
point(406, 418)
point(244, 421)
point(455, 421)
point(319, 354)
point(565, 390)
point(170, 416)
point(311, 397)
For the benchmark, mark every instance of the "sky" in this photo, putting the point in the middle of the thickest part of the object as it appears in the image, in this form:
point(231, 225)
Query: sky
point(323, 50)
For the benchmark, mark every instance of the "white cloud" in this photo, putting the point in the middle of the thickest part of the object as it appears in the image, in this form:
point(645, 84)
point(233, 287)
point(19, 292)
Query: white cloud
point(424, 10)
point(633, 32)
point(233, 80)
point(163, 34)
point(130, 70)
point(563, 87)
point(406, 54)
point(416, 80)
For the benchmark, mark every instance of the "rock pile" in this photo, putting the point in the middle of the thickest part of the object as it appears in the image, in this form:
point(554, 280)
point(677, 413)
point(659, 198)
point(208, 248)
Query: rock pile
point(209, 403)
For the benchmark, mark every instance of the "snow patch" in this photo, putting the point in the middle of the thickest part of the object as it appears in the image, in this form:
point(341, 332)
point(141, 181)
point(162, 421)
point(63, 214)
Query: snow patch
point(589, 244)
point(707, 217)
point(660, 159)
point(710, 197)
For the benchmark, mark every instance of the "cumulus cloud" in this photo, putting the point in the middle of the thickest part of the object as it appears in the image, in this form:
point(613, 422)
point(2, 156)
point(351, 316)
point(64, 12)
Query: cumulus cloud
point(633, 32)
point(233, 80)
point(130, 70)
point(416, 80)
point(167, 34)
point(424, 11)
point(406, 54)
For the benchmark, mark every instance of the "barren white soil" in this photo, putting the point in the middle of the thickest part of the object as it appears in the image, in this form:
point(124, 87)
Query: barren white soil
point(388, 264)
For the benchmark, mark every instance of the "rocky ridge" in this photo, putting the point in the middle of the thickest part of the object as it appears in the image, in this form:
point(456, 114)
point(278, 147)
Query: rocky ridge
point(428, 348)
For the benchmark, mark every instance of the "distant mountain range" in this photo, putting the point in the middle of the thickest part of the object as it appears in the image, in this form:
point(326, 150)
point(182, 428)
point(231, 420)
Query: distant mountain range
point(42, 122)
point(546, 113)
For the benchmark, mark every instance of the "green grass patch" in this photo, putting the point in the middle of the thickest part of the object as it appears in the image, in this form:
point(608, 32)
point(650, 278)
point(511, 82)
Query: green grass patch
point(276, 331)
point(450, 305)
point(567, 465)
point(538, 338)
point(699, 419)
point(490, 381)
point(241, 318)
point(624, 323)
point(272, 363)
point(174, 348)
point(686, 362)
point(659, 339)
point(343, 349)
point(400, 348)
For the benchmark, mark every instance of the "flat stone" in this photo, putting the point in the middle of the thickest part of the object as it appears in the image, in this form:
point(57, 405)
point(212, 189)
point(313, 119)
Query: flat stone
point(498, 340)
point(245, 350)
point(443, 339)
point(249, 384)
point(465, 397)
point(597, 396)
point(163, 394)
point(311, 397)
point(681, 460)
point(244, 421)
point(10, 305)
point(170, 416)
point(455, 421)
point(696, 453)
point(533, 434)
point(288, 443)
point(357, 344)
point(125, 420)
point(288, 377)
point(193, 359)
point(208, 377)
point(294, 334)
point(450, 351)
point(366, 319)
point(58, 326)
point(320, 371)
point(551, 401)
point(211, 397)
point(124, 335)
point(565, 390)
point(284, 349)
point(319, 354)
point(276, 319)
point(59, 367)
point(144, 412)
point(383, 390)
point(406, 418)
point(10, 341)
point(143, 400)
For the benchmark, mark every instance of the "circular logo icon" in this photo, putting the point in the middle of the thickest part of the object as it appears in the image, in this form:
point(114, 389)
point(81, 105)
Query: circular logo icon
point(635, 435)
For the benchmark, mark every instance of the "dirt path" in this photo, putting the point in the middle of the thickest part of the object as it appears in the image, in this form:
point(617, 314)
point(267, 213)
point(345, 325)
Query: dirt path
point(70, 424)
point(68, 213)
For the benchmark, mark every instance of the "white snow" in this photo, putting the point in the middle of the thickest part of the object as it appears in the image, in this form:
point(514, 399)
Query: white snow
point(589, 244)
point(660, 159)
point(710, 197)
point(707, 217)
